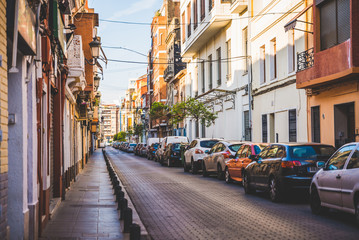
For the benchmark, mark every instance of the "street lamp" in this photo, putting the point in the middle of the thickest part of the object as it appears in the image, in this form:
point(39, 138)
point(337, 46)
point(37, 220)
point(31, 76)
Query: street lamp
point(95, 48)
point(96, 80)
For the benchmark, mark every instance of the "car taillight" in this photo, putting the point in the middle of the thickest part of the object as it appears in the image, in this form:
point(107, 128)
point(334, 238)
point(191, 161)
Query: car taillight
point(290, 164)
point(198, 151)
point(226, 154)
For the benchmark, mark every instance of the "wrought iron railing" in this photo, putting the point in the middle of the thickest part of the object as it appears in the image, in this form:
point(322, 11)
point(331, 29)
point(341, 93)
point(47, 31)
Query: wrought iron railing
point(305, 59)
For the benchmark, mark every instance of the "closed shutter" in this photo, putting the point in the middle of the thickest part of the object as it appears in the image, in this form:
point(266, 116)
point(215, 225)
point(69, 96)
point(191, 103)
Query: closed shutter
point(343, 8)
point(315, 112)
point(292, 125)
point(264, 128)
point(247, 129)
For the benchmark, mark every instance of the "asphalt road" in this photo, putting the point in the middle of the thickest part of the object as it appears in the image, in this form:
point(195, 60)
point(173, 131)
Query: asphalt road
point(177, 205)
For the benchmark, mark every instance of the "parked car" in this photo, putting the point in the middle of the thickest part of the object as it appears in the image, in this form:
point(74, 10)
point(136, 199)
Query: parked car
point(172, 154)
point(131, 147)
point(194, 155)
point(336, 184)
point(165, 141)
point(151, 150)
point(137, 148)
point(245, 155)
point(217, 157)
point(280, 168)
point(124, 146)
point(143, 150)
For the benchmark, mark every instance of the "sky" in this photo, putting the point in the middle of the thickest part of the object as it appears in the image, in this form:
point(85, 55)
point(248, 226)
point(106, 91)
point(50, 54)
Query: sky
point(134, 37)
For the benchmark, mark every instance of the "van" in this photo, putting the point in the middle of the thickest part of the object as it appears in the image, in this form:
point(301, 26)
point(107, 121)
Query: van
point(153, 140)
point(165, 142)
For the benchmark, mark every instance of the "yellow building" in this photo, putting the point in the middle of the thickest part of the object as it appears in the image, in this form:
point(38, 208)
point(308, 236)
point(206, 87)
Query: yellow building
point(3, 122)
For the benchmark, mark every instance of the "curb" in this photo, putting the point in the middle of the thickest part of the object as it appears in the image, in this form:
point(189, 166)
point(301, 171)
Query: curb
point(130, 221)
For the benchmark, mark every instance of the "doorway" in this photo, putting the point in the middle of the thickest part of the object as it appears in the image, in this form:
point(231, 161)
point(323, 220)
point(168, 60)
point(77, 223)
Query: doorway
point(344, 124)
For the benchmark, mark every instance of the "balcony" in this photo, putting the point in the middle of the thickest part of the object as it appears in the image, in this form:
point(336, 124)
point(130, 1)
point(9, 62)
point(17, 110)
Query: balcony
point(169, 72)
point(216, 19)
point(238, 6)
point(76, 62)
point(319, 68)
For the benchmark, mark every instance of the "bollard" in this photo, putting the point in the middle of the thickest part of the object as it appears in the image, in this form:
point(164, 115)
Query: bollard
point(127, 218)
point(117, 189)
point(135, 232)
point(122, 205)
point(119, 196)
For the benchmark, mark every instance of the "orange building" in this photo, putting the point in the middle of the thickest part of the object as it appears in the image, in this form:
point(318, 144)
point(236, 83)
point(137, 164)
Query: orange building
point(330, 72)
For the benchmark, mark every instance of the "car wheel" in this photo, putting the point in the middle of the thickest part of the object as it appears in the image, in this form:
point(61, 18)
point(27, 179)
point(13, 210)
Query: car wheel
point(220, 173)
point(274, 190)
point(246, 185)
point(227, 176)
point(194, 169)
point(316, 203)
point(204, 170)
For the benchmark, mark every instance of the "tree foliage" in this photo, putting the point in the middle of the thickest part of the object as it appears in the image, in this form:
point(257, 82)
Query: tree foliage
point(121, 136)
point(158, 110)
point(138, 129)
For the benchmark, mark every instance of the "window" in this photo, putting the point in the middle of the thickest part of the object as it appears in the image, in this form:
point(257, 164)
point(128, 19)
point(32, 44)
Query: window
point(238, 153)
point(195, 14)
point(264, 128)
point(315, 113)
point(264, 152)
point(189, 20)
point(292, 114)
point(210, 69)
point(210, 4)
point(281, 152)
point(291, 51)
point(245, 48)
point(183, 28)
point(337, 161)
point(219, 67)
point(272, 153)
point(354, 160)
point(334, 23)
point(262, 64)
point(247, 127)
point(203, 129)
point(203, 10)
point(273, 59)
point(203, 77)
point(244, 152)
point(229, 61)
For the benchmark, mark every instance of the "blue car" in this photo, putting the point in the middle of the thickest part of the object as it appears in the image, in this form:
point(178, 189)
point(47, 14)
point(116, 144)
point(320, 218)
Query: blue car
point(281, 167)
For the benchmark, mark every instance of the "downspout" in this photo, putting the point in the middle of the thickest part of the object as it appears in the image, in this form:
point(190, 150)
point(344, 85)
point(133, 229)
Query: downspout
point(250, 106)
point(13, 68)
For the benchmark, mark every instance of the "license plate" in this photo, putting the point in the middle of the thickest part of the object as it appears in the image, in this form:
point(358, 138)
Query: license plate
point(312, 169)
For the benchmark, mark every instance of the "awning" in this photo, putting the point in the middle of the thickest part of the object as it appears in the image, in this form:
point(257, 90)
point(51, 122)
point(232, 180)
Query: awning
point(292, 23)
point(217, 96)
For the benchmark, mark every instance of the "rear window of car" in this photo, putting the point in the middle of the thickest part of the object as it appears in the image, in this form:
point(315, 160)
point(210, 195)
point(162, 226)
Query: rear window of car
point(234, 147)
point(208, 143)
point(259, 148)
point(155, 145)
point(133, 144)
point(311, 152)
point(176, 146)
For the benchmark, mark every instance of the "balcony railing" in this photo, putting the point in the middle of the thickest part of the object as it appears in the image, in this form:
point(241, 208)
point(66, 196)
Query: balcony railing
point(305, 59)
point(169, 72)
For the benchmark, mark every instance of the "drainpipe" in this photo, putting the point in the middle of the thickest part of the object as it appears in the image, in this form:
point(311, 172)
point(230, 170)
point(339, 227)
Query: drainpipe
point(250, 80)
point(13, 68)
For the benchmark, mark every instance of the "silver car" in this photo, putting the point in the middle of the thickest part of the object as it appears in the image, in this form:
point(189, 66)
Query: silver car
point(216, 158)
point(336, 185)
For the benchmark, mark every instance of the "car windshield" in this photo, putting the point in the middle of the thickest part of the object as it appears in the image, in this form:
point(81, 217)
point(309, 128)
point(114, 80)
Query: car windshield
point(234, 147)
point(208, 143)
point(259, 148)
point(176, 146)
point(311, 152)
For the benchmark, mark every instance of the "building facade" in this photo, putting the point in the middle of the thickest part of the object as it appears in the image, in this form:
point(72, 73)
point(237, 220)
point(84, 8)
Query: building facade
point(328, 70)
point(110, 117)
point(3, 124)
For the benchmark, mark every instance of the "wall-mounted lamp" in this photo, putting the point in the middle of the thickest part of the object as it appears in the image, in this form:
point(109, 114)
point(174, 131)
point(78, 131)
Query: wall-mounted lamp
point(95, 46)
point(96, 80)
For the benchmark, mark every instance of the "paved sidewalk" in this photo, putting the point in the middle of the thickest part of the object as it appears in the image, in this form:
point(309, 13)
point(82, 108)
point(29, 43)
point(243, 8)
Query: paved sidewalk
point(90, 210)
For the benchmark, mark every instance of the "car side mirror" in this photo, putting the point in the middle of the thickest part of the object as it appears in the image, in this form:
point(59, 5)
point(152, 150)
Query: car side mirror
point(320, 164)
point(207, 151)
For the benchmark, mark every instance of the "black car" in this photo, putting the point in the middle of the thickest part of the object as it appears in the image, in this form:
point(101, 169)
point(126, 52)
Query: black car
point(172, 155)
point(151, 150)
point(280, 168)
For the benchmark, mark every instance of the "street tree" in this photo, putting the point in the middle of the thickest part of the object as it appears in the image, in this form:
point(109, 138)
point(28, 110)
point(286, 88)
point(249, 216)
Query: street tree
point(158, 110)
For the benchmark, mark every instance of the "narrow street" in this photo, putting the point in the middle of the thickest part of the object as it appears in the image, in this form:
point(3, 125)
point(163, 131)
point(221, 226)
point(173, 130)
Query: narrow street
point(177, 205)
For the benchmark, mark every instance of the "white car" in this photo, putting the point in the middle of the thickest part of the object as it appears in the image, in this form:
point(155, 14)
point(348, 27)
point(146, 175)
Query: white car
point(194, 155)
point(336, 185)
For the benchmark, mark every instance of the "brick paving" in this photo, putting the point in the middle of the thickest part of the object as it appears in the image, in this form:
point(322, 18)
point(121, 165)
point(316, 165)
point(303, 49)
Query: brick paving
point(89, 211)
point(177, 205)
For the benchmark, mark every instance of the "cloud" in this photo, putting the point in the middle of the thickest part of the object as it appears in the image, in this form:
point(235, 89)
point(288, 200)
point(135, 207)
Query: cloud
point(134, 8)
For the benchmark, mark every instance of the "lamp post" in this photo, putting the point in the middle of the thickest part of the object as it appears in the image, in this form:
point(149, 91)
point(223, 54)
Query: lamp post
point(96, 80)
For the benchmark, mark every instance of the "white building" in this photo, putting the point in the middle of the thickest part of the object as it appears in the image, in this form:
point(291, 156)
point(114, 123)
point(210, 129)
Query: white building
point(279, 109)
point(217, 72)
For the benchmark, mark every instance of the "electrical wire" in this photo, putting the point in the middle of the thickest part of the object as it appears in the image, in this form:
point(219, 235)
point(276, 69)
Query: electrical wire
point(165, 24)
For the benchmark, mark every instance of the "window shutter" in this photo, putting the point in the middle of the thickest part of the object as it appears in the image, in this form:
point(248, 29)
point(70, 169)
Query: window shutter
point(328, 34)
point(343, 20)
